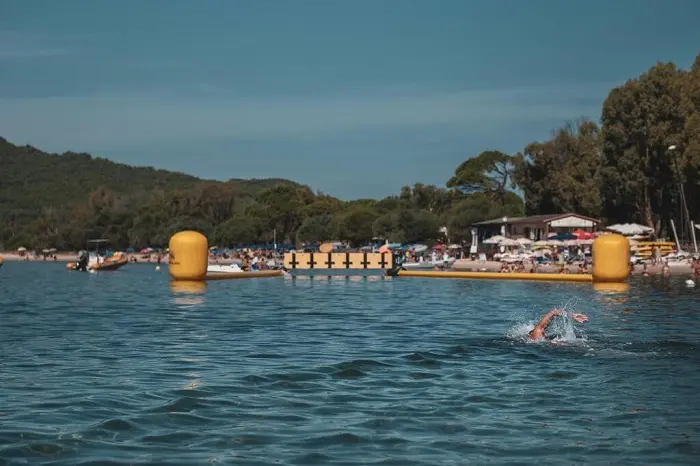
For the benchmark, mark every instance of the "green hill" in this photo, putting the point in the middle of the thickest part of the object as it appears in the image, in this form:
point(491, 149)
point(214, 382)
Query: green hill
point(32, 180)
point(38, 187)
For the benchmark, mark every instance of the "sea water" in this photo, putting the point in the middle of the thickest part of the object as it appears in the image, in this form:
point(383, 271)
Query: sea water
point(121, 368)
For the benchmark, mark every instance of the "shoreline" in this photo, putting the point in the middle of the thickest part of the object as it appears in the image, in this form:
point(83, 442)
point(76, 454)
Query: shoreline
point(459, 265)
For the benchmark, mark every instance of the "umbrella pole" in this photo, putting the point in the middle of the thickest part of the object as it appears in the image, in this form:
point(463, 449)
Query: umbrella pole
point(675, 235)
point(692, 232)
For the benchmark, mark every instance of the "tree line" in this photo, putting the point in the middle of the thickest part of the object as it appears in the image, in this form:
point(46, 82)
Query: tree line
point(619, 170)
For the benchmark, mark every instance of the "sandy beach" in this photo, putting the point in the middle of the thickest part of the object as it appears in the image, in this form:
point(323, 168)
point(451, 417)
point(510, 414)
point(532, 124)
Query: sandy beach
point(495, 266)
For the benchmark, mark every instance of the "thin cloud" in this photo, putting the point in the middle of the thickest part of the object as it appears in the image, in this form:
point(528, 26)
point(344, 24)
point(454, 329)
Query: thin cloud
point(149, 118)
point(14, 52)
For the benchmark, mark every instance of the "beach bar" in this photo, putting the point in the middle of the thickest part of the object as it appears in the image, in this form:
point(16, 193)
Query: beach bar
point(536, 227)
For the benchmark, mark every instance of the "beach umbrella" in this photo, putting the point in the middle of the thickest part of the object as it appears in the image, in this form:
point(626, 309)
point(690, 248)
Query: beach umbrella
point(524, 241)
point(630, 229)
point(508, 242)
point(494, 239)
point(454, 246)
point(420, 247)
point(21, 249)
point(580, 234)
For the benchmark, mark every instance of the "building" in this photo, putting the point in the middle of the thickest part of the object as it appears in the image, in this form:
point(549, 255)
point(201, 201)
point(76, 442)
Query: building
point(537, 227)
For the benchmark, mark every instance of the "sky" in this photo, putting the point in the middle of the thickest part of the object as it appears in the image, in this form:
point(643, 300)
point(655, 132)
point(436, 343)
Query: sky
point(354, 98)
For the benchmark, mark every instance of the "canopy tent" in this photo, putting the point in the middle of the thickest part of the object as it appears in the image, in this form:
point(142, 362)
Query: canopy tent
point(630, 229)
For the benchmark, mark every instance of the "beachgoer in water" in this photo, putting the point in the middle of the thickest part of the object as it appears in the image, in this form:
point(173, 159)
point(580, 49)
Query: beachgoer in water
point(537, 333)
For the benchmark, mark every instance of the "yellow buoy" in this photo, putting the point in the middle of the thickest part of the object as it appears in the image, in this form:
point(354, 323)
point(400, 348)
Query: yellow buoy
point(611, 259)
point(0, 261)
point(189, 256)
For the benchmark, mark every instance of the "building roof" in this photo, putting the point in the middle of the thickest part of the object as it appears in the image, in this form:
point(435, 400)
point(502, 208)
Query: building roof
point(534, 219)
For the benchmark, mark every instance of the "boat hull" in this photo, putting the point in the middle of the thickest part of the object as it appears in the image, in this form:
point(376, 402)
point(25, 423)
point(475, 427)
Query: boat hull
point(106, 266)
point(235, 275)
point(429, 265)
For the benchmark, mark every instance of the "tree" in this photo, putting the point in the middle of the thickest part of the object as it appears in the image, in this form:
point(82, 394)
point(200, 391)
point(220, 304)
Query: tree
point(488, 172)
point(355, 224)
point(563, 174)
point(281, 208)
point(407, 226)
point(478, 207)
point(426, 197)
point(239, 229)
point(316, 229)
point(641, 119)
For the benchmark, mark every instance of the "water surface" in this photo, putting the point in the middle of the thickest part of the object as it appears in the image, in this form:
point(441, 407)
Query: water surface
point(122, 368)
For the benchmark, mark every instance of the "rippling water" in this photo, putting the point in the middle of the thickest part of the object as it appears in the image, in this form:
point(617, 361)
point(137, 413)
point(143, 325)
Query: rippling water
point(122, 368)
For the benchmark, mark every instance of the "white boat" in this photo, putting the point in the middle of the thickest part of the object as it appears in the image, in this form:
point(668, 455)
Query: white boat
point(223, 268)
point(428, 264)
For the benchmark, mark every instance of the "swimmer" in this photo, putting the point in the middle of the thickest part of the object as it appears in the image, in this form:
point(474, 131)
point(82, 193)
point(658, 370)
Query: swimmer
point(537, 333)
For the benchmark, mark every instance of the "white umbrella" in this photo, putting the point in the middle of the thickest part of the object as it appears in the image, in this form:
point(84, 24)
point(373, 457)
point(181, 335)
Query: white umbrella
point(454, 246)
point(630, 229)
point(508, 242)
point(494, 239)
point(21, 249)
point(419, 247)
point(524, 241)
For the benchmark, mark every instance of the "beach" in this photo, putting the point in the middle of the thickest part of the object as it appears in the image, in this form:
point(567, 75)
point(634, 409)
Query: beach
point(460, 264)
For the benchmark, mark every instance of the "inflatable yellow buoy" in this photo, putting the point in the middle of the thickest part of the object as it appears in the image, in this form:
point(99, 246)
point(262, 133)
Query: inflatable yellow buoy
point(189, 256)
point(611, 259)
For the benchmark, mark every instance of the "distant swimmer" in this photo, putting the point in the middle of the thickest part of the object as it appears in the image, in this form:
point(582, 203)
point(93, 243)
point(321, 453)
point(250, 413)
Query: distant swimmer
point(537, 333)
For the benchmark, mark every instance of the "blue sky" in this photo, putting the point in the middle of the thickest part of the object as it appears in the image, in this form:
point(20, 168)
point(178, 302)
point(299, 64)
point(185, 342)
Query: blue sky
point(355, 98)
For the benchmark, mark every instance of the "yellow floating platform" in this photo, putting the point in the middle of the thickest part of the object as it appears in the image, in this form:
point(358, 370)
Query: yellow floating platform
point(234, 275)
point(555, 277)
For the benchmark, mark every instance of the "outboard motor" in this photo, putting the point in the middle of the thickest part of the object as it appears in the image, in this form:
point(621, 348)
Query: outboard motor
point(83, 259)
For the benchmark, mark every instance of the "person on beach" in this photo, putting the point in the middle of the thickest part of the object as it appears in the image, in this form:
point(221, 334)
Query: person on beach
point(537, 333)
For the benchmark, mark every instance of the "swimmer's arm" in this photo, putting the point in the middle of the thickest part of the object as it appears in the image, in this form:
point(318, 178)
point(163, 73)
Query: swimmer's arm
point(544, 321)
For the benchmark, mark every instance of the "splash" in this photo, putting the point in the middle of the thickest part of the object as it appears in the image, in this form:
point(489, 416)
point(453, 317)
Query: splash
point(561, 329)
